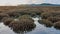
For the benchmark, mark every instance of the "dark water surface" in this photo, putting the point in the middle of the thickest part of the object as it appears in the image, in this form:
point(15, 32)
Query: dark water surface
point(39, 29)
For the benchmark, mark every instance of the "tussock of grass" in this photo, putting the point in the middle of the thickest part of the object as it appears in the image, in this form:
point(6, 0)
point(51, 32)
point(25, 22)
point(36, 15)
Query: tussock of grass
point(54, 19)
point(13, 14)
point(2, 15)
point(46, 22)
point(22, 25)
point(45, 15)
point(7, 21)
point(57, 25)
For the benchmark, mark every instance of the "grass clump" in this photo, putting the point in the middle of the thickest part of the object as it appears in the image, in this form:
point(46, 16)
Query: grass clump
point(45, 15)
point(24, 23)
point(2, 15)
point(13, 14)
point(46, 22)
point(54, 19)
point(57, 25)
point(7, 21)
point(26, 17)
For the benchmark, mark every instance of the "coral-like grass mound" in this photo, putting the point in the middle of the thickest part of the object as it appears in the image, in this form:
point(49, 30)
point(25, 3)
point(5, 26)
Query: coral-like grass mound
point(23, 24)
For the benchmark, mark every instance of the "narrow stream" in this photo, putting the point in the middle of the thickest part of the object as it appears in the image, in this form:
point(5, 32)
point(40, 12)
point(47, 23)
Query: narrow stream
point(39, 29)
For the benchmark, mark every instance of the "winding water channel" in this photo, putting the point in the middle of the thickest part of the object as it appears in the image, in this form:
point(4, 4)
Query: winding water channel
point(39, 29)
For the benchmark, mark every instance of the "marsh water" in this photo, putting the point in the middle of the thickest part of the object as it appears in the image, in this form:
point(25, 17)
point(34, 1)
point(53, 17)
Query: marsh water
point(39, 29)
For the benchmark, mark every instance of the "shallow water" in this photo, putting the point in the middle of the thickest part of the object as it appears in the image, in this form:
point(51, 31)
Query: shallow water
point(39, 29)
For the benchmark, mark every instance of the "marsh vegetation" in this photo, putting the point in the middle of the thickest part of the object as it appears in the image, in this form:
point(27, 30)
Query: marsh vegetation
point(20, 18)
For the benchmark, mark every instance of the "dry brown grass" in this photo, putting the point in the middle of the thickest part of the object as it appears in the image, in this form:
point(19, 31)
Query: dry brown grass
point(22, 25)
point(2, 15)
point(54, 19)
point(25, 17)
point(47, 12)
point(57, 25)
point(45, 15)
point(46, 22)
point(13, 14)
point(7, 21)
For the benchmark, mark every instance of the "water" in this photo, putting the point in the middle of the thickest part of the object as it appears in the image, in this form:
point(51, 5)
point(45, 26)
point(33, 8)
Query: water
point(39, 29)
